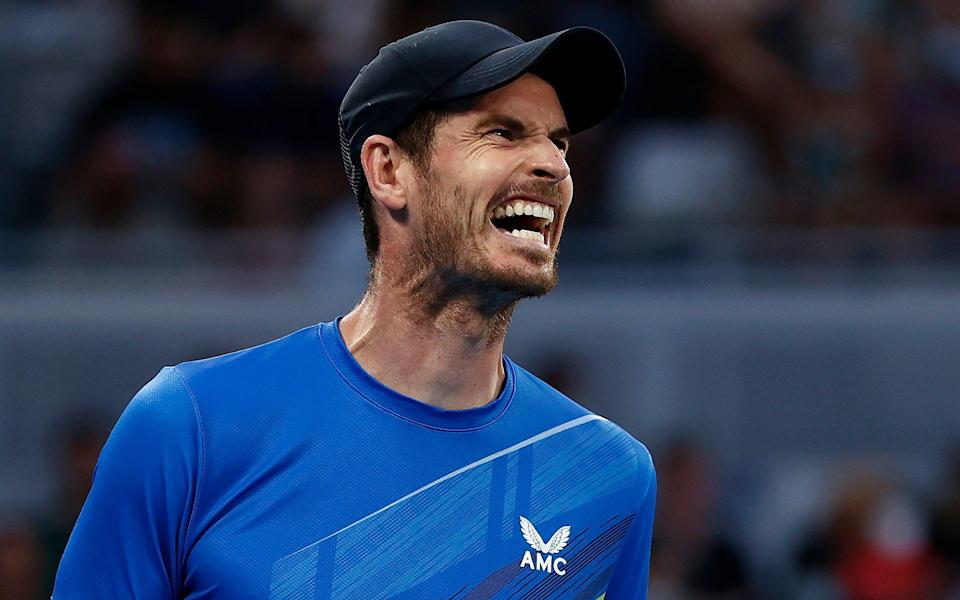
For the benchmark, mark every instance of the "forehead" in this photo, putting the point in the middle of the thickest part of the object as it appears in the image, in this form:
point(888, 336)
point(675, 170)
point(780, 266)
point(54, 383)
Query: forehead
point(529, 98)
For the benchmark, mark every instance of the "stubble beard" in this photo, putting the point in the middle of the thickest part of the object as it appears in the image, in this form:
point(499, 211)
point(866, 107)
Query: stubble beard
point(451, 267)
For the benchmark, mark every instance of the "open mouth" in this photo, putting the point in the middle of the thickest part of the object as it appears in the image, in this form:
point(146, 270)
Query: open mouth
point(525, 219)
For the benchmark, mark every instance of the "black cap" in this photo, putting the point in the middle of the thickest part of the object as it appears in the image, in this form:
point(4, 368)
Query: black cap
point(460, 59)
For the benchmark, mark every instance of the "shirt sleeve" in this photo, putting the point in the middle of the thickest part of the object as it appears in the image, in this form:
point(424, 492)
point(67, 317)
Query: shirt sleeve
point(632, 571)
point(129, 539)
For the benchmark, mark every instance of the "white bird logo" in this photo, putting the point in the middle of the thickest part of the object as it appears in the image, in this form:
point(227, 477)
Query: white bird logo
point(558, 541)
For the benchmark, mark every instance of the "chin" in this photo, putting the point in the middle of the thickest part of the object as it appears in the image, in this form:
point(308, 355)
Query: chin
point(526, 282)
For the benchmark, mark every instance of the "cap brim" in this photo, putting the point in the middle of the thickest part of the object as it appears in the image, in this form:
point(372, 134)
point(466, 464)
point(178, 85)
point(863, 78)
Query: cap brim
point(582, 65)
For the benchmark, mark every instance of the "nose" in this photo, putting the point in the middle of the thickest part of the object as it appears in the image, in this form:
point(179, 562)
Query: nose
point(548, 162)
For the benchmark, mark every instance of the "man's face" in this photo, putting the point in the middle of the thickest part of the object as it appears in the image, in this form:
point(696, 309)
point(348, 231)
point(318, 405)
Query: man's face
point(505, 155)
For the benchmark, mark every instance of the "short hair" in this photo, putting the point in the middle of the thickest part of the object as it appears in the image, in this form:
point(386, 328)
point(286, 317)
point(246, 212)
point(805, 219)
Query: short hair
point(417, 139)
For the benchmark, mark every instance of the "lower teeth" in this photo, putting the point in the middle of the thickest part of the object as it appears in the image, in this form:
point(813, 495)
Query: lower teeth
point(527, 234)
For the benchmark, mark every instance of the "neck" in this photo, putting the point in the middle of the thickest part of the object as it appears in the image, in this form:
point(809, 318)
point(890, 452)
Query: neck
point(446, 350)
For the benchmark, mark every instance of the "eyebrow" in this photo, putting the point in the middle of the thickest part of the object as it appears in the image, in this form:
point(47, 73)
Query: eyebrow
point(560, 133)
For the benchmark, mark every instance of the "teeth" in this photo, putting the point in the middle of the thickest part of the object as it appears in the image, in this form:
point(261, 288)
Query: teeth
point(534, 209)
point(527, 235)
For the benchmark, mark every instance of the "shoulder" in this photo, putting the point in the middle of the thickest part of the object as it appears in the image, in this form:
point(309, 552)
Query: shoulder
point(545, 399)
point(254, 393)
point(158, 434)
point(163, 404)
point(541, 396)
point(252, 378)
point(237, 395)
point(248, 363)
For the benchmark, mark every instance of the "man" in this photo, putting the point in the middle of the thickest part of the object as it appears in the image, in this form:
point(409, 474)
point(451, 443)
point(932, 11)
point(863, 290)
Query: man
point(395, 452)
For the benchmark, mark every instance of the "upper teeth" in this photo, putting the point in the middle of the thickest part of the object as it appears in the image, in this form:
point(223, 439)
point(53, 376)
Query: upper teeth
point(520, 207)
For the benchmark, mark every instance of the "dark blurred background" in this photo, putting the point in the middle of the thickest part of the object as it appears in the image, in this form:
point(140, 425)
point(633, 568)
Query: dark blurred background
point(759, 276)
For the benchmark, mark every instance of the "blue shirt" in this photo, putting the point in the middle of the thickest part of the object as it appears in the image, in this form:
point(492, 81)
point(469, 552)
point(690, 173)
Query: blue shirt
point(286, 471)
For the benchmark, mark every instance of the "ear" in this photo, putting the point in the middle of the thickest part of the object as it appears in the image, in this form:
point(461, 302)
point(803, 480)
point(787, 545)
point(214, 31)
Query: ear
point(382, 162)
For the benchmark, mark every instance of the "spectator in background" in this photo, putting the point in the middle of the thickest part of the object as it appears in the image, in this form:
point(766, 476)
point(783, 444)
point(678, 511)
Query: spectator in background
point(794, 121)
point(80, 441)
point(691, 560)
point(945, 524)
point(924, 149)
point(873, 547)
point(711, 118)
point(20, 564)
point(130, 147)
point(212, 125)
point(53, 56)
point(809, 112)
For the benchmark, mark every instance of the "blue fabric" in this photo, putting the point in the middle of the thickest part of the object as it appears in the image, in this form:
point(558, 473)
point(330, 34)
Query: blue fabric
point(285, 471)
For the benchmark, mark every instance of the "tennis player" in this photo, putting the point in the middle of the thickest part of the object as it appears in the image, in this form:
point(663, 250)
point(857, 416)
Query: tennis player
point(395, 452)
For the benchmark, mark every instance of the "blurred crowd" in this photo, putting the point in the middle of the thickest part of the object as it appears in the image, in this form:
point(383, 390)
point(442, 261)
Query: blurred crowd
point(120, 114)
point(31, 544)
point(871, 537)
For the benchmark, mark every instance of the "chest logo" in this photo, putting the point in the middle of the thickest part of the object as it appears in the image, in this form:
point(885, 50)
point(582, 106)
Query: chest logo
point(544, 554)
